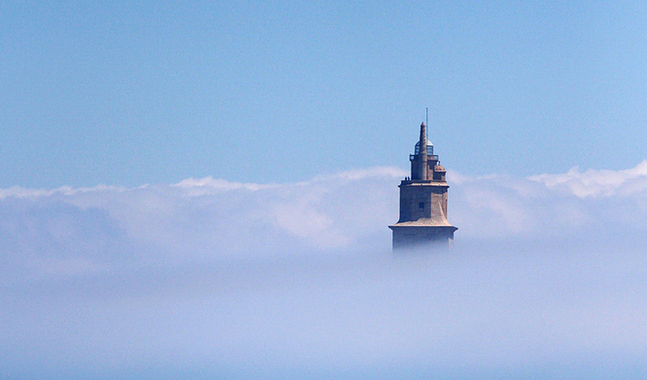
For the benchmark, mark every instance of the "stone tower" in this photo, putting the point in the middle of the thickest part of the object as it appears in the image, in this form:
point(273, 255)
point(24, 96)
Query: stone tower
point(423, 201)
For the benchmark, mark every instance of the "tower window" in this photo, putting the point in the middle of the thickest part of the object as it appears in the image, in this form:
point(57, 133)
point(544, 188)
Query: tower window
point(421, 205)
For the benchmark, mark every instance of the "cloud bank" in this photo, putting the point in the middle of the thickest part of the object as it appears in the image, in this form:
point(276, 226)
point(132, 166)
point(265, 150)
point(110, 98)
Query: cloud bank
point(208, 277)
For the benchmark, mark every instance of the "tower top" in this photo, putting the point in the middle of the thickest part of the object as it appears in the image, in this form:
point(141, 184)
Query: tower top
point(424, 161)
point(427, 143)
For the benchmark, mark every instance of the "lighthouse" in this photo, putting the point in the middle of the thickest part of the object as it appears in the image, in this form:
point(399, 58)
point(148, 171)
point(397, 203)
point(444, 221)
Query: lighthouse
point(423, 201)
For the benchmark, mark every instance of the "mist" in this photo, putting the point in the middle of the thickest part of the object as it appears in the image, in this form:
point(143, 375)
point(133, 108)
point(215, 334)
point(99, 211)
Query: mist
point(207, 278)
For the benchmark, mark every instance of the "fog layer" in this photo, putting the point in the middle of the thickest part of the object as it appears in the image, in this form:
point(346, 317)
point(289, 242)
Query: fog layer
point(207, 277)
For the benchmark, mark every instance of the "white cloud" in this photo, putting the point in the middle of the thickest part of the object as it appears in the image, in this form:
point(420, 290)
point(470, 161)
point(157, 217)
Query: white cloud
point(21, 192)
point(202, 219)
point(274, 276)
point(598, 183)
point(209, 185)
point(208, 218)
point(550, 205)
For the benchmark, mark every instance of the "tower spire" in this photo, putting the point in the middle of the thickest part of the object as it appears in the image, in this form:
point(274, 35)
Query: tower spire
point(422, 161)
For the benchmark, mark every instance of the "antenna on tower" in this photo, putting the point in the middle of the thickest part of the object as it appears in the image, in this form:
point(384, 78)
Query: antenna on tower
point(427, 119)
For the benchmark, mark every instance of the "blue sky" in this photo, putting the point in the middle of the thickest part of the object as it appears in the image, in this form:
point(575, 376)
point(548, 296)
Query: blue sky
point(127, 93)
point(203, 189)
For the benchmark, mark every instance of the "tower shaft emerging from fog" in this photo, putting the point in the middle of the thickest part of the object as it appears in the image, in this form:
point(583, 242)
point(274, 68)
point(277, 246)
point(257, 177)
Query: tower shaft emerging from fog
point(423, 201)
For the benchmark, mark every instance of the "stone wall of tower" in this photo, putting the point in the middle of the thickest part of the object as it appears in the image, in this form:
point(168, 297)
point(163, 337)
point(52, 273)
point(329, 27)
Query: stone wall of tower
point(431, 164)
point(445, 196)
point(422, 201)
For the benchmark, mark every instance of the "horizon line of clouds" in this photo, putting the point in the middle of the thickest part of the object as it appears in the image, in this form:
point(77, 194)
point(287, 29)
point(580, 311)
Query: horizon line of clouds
point(208, 183)
point(591, 183)
point(205, 218)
